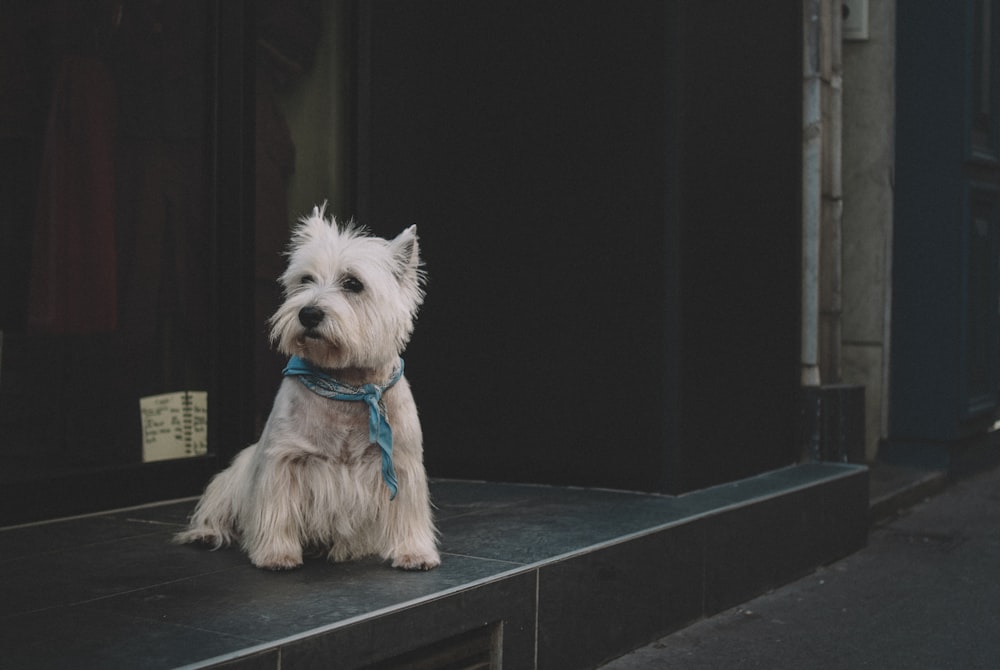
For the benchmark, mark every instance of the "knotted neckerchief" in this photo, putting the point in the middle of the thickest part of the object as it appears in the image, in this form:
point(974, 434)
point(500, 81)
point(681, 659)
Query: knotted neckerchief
point(379, 431)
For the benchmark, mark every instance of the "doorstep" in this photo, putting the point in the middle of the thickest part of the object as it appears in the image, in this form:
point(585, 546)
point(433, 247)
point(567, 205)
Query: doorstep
point(540, 576)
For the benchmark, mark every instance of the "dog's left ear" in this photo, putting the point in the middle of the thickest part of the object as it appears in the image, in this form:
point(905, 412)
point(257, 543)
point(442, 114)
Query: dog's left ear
point(406, 252)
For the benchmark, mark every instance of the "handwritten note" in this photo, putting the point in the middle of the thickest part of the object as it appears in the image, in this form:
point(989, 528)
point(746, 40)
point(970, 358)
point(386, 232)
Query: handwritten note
point(174, 425)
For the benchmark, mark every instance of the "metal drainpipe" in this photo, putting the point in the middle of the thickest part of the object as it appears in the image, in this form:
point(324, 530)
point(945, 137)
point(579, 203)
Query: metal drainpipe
point(812, 147)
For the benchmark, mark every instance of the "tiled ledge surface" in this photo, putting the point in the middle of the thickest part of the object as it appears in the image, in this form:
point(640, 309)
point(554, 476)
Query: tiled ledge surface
point(569, 576)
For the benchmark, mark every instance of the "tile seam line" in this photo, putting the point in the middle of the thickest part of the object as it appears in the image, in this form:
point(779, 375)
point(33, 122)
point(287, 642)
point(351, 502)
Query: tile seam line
point(107, 512)
point(117, 594)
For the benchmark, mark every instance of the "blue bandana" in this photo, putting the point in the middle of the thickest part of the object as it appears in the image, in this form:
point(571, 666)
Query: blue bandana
point(379, 431)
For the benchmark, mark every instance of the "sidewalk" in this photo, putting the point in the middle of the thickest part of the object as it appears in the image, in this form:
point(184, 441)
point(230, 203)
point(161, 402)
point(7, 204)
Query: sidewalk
point(924, 594)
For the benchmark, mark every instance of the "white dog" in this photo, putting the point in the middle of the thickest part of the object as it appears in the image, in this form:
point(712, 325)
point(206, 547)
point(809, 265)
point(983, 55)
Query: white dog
point(339, 464)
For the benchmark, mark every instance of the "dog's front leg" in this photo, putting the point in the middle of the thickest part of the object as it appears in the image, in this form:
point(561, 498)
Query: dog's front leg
point(411, 532)
point(272, 518)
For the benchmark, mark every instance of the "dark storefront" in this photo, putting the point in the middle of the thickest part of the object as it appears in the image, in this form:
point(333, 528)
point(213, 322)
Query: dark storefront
point(613, 259)
point(125, 253)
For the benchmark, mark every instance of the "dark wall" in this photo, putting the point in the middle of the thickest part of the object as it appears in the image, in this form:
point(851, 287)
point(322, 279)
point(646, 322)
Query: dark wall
point(740, 179)
point(607, 198)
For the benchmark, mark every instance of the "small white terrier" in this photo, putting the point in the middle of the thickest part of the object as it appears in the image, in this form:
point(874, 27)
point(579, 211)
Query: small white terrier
point(339, 465)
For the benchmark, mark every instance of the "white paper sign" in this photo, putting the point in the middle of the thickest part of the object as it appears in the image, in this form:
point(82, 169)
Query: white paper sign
point(174, 425)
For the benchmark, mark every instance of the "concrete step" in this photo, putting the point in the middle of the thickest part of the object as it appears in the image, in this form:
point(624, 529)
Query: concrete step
point(538, 576)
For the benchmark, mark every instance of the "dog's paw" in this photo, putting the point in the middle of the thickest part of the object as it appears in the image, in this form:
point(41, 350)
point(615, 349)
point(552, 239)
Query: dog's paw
point(417, 561)
point(278, 563)
point(277, 559)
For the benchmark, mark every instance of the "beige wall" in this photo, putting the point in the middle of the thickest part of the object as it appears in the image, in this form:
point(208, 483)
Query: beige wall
point(868, 132)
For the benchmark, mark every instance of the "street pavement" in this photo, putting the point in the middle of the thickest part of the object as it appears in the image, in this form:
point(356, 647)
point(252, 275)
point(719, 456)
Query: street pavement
point(923, 595)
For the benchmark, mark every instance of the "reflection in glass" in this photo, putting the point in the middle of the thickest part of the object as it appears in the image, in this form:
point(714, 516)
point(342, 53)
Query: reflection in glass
point(104, 227)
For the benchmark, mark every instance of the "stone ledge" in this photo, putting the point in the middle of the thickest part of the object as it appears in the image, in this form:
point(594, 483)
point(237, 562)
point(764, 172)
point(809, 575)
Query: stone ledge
point(565, 577)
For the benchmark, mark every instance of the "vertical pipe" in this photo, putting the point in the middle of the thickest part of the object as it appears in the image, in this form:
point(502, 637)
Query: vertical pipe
point(812, 130)
point(888, 24)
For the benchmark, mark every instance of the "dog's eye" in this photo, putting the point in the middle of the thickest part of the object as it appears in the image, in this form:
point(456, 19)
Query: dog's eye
point(307, 279)
point(352, 284)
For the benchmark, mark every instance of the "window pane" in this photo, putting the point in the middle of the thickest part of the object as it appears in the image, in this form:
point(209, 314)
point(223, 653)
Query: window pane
point(104, 233)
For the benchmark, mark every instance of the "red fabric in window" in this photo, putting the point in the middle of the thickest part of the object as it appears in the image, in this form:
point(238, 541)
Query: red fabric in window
point(74, 269)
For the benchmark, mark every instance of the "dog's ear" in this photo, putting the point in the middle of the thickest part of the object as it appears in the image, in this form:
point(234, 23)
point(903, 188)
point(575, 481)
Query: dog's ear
point(406, 252)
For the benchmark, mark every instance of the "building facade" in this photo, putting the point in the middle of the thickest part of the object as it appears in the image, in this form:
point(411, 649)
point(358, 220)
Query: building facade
point(640, 242)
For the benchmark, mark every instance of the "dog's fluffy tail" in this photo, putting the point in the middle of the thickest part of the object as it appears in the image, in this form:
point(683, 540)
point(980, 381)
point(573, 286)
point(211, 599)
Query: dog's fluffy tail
point(214, 521)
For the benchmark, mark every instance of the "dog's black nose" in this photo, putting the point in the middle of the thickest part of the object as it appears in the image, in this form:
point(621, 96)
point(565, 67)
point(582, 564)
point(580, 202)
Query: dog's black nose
point(310, 317)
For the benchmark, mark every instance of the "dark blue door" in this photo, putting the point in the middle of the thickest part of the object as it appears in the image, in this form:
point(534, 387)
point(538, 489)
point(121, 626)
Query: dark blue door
point(945, 357)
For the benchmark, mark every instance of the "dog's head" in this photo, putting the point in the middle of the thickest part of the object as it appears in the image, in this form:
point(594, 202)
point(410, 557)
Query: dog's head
point(350, 298)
